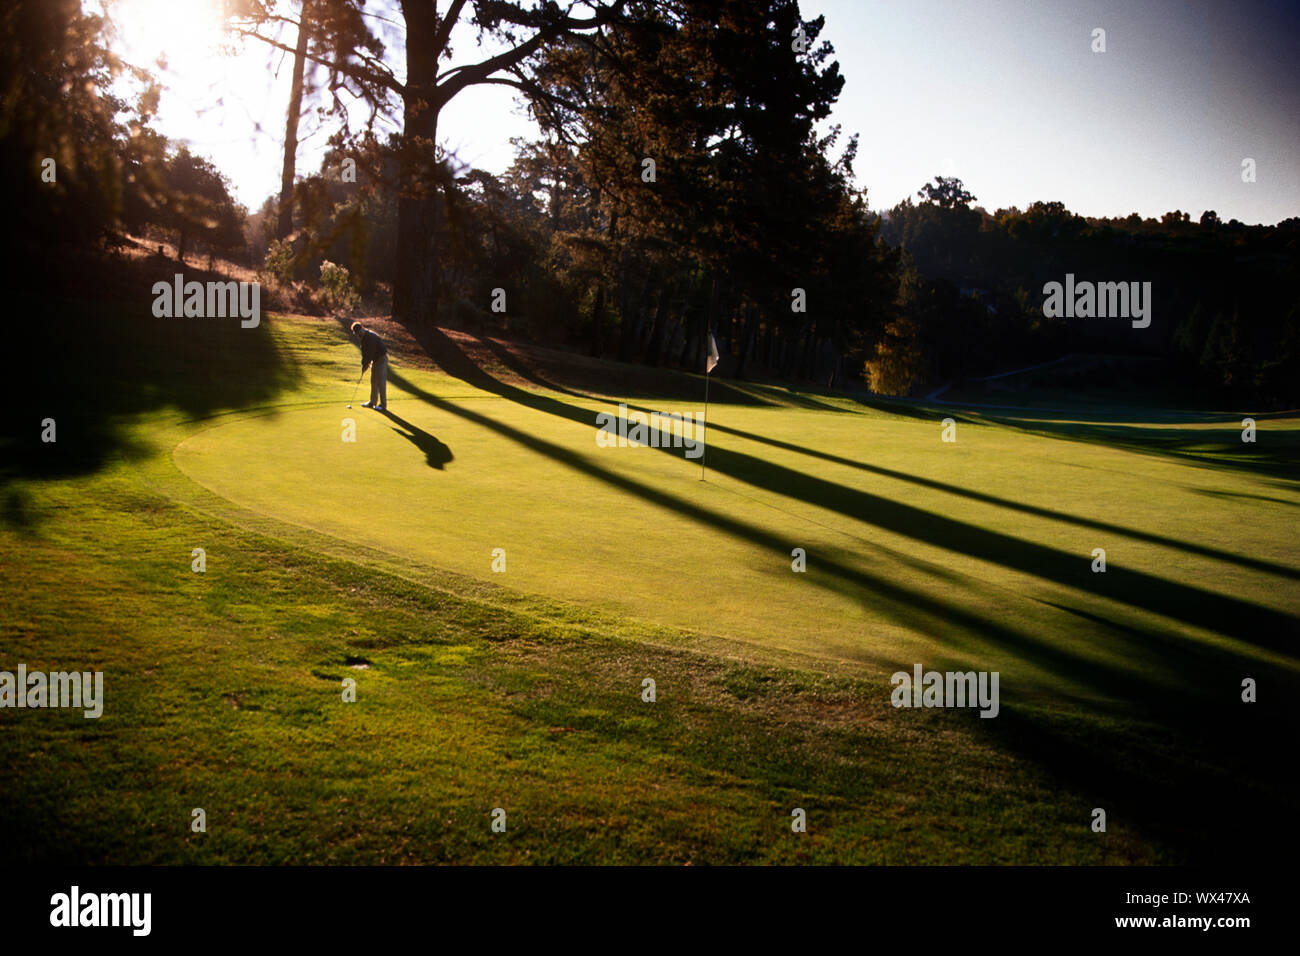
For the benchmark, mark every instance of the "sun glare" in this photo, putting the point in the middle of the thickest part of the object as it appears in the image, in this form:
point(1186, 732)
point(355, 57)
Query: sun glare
point(184, 35)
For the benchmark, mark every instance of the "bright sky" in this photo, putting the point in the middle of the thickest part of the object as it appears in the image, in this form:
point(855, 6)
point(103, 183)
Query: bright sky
point(1006, 94)
point(1009, 96)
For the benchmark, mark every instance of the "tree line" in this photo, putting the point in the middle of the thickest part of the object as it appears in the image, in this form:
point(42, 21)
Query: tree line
point(1226, 306)
point(684, 181)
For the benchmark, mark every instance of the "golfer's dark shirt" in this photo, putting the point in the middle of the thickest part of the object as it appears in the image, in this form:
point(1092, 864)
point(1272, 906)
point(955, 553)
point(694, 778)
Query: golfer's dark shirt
point(372, 347)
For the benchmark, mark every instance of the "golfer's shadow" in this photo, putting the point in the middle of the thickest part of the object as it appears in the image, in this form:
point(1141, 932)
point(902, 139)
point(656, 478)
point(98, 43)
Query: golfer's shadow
point(435, 452)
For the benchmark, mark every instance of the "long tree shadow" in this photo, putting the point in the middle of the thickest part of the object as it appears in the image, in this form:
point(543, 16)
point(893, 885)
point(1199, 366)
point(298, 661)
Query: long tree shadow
point(1242, 495)
point(1276, 453)
point(724, 391)
point(1229, 615)
point(905, 408)
point(436, 454)
point(673, 385)
point(1178, 685)
point(926, 612)
point(449, 349)
point(1255, 564)
point(1209, 787)
point(102, 364)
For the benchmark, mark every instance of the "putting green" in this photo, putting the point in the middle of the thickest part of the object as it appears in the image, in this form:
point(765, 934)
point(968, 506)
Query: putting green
point(977, 552)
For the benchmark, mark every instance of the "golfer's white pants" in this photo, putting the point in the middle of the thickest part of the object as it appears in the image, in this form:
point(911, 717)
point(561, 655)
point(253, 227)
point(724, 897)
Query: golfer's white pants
point(379, 381)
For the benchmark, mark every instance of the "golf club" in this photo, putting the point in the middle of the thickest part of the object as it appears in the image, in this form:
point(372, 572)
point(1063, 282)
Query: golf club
point(356, 386)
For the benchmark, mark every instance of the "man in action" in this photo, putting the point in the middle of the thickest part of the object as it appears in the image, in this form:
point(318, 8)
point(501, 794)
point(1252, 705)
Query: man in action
point(373, 352)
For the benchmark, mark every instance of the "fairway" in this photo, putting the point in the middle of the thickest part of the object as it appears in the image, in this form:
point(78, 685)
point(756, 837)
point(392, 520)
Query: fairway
point(971, 553)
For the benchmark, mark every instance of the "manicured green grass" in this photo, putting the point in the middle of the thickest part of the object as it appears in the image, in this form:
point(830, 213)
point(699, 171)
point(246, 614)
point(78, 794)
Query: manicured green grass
point(522, 690)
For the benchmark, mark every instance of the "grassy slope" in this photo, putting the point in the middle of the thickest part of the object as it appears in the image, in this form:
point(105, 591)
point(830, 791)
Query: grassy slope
point(773, 692)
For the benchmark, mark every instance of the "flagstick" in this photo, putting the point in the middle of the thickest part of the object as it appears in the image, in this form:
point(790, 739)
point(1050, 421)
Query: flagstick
point(705, 450)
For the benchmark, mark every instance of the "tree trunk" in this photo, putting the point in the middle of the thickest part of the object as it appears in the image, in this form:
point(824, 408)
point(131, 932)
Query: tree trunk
point(726, 327)
point(790, 354)
point(696, 322)
point(659, 330)
point(285, 224)
point(747, 338)
point(769, 344)
point(633, 321)
point(598, 321)
point(415, 285)
point(808, 367)
point(598, 308)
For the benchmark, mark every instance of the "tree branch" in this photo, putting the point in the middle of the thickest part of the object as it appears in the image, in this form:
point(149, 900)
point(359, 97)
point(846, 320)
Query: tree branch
point(448, 22)
point(385, 80)
point(457, 79)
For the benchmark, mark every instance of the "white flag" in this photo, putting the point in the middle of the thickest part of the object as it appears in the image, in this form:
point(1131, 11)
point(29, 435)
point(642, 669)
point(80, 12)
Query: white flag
point(712, 361)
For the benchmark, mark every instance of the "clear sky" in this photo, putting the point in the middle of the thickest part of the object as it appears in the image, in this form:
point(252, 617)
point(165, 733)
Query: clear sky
point(1006, 94)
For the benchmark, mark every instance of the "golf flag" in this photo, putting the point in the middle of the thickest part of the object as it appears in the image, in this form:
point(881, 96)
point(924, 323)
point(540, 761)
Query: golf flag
point(709, 365)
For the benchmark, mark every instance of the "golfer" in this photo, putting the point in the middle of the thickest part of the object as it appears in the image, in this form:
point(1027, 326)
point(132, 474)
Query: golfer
point(373, 353)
